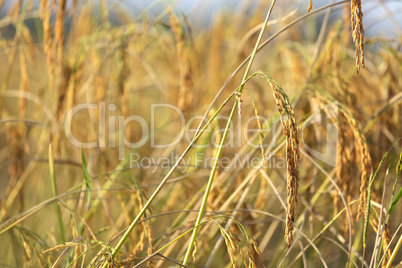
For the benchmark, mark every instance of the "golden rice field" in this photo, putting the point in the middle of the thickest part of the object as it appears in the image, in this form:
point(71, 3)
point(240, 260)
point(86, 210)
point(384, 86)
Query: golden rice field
point(258, 135)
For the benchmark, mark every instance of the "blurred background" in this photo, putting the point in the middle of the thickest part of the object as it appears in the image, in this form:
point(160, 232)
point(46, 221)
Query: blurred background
point(125, 56)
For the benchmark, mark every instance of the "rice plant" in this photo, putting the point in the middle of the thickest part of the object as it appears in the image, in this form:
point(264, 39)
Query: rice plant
point(261, 134)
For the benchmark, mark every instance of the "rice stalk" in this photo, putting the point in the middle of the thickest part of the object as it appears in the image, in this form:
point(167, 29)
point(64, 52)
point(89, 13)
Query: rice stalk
point(65, 245)
point(230, 244)
point(161, 184)
point(386, 229)
point(365, 162)
point(77, 249)
point(233, 245)
point(394, 252)
point(359, 137)
point(357, 32)
point(104, 39)
point(254, 254)
point(341, 160)
point(55, 193)
point(290, 130)
point(218, 155)
point(185, 96)
point(345, 168)
point(48, 41)
point(368, 206)
point(167, 245)
point(384, 244)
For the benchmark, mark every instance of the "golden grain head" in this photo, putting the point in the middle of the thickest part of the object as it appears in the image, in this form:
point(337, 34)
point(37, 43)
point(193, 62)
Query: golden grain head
point(292, 156)
point(310, 6)
point(48, 42)
point(358, 32)
point(366, 171)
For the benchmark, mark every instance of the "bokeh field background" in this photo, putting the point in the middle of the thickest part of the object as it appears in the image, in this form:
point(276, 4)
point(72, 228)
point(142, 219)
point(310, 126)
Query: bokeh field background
point(99, 99)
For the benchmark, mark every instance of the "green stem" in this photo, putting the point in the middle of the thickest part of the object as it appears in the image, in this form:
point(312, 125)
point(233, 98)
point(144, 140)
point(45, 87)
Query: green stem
point(396, 249)
point(218, 155)
point(389, 209)
point(257, 44)
point(55, 194)
point(209, 185)
point(163, 182)
point(369, 190)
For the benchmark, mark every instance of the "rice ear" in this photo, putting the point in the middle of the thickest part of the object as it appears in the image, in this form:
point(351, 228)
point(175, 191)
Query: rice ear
point(310, 6)
point(291, 132)
point(358, 32)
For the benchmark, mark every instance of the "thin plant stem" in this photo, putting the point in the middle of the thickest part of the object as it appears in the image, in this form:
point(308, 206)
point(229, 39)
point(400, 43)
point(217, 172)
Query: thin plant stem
point(389, 210)
point(237, 101)
point(368, 205)
point(55, 194)
point(163, 182)
point(396, 249)
point(209, 185)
